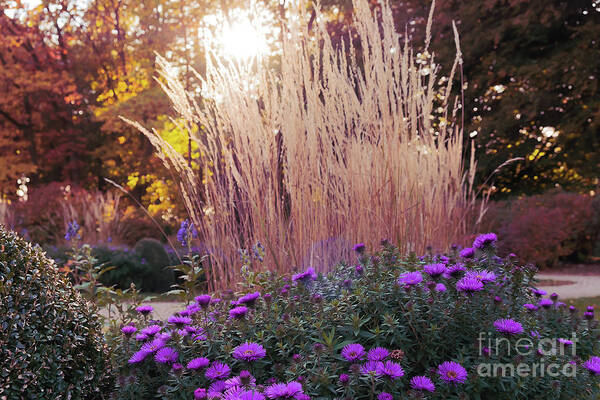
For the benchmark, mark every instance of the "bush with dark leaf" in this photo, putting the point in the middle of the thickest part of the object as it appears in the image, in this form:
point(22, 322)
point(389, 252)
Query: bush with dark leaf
point(51, 343)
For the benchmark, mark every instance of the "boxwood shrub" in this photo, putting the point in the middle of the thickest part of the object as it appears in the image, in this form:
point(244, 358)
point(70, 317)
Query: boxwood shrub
point(51, 343)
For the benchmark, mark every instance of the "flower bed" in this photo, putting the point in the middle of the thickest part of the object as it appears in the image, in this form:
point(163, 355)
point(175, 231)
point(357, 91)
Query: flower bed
point(438, 327)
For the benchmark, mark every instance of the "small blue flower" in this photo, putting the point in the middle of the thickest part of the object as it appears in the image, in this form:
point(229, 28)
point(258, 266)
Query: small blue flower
point(72, 231)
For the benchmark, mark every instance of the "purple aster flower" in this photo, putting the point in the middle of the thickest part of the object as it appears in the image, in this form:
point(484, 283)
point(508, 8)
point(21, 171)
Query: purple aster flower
point(306, 276)
point(153, 346)
point(197, 363)
point(484, 240)
point(435, 270)
point(440, 287)
point(422, 383)
point(344, 379)
point(179, 321)
point(359, 248)
point(565, 342)
point(243, 380)
point(359, 269)
point(141, 337)
point(456, 270)
point(484, 276)
point(217, 387)
point(392, 370)
point(145, 310)
point(590, 308)
point(151, 330)
point(199, 394)
point(553, 296)
point(249, 352)
point(378, 354)
point(469, 285)
point(538, 292)
point(452, 372)
point(410, 279)
point(508, 326)
point(191, 310)
point(218, 370)
point(138, 356)
point(573, 309)
point(530, 307)
point(372, 368)
point(546, 303)
point(588, 315)
point(249, 299)
point(353, 352)
point(385, 396)
point(292, 390)
point(467, 252)
point(128, 330)
point(593, 365)
point(238, 312)
point(203, 300)
point(177, 367)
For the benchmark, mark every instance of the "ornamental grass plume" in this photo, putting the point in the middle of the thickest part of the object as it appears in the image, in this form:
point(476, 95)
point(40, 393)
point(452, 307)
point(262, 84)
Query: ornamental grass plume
point(324, 147)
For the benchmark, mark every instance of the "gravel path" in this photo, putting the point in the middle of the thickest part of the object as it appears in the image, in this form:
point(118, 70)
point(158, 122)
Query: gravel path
point(581, 286)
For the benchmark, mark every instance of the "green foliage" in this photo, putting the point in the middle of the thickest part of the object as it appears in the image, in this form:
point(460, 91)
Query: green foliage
point(51, 344)
point(304, 326)
point(154, 257)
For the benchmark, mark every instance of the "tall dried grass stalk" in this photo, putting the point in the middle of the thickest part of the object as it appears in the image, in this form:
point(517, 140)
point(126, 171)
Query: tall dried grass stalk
point(336, 147)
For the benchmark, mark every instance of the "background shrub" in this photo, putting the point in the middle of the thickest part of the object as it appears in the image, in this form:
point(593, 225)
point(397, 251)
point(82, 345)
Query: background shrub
point(51, 344)
point(546, 228)
point(155, 259)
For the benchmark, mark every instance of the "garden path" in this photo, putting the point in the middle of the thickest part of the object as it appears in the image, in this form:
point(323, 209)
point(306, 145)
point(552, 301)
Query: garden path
point(581, 286)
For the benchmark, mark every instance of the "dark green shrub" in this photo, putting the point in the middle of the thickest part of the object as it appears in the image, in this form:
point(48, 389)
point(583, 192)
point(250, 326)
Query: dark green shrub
point(128, 267)
point(154, 257)
point(51, 344)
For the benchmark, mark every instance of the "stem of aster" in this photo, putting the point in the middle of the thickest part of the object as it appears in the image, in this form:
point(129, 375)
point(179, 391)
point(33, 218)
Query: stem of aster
point(372, 395)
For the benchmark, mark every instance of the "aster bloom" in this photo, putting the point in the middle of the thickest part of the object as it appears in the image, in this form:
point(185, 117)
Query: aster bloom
point(422, 383)
point(378, 354)
point(372, 368)
point(440, 287)
point(508, 326)
point(435, 270)
point(456, 270)
point(249, 299)
point(217, 387)
point(484, 276)
point(344, 379)
point(538, 292)
point(565, 342)
point(391, 370)
point(153, 346)
point(385, 396)
point(410, 279)
point(151, 330)
point(141, 337)
point(128, 330)
point(138, 356)
point(359, 269)
point(590, 308)
point(177, 367)
point(238, 312)
point(197, 363)
point(546, 303)
point(452, 372)
point(199, 394)
point(469, 285)
point(359, 248)
point(573, 309)
point(593, 365)
point(203, 300)
point(245, 379)
point(530, 307)
point(467, 252)
point(179, 321)
point(306, 276)
point(249, 352)
point(353, 352)
point(292, 390)
point(218, 370)
point(145, 310)
point(588, 315)
point(487, 239)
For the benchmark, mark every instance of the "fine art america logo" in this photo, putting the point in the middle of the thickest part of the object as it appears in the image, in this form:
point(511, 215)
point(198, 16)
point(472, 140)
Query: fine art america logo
point(547, 357)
